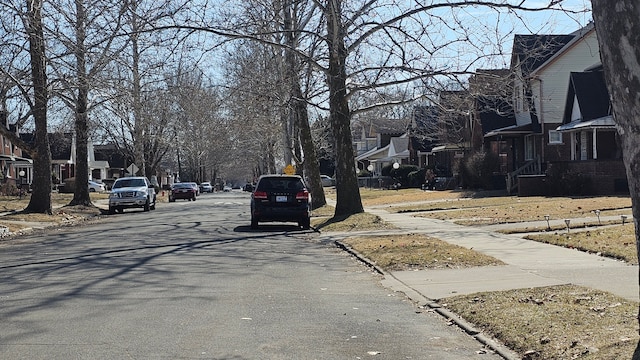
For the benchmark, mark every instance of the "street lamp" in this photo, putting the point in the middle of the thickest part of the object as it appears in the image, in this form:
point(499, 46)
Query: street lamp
point(20, 183)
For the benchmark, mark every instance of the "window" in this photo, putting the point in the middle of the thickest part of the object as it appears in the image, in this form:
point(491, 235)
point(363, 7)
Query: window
point(555, 137)
point(529, 148)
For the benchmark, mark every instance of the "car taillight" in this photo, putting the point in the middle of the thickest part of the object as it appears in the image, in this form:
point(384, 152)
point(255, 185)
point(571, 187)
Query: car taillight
point(260, 195)
point(302, 195)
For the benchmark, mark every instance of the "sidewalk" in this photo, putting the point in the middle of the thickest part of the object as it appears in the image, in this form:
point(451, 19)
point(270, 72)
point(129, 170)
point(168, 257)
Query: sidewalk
point(529, 263)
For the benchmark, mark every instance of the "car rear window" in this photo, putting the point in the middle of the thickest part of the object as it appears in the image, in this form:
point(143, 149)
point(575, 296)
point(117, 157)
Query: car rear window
point(182, 186)
point(271, 184)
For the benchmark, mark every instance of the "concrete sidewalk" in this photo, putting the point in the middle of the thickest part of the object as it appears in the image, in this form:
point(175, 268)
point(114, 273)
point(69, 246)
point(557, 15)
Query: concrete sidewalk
point(529, 263)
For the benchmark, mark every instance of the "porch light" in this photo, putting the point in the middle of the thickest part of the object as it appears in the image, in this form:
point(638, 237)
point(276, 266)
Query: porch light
point(396, 165)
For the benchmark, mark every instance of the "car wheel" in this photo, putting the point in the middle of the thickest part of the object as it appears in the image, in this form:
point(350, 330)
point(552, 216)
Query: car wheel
point(92, 190)
point(112, 210)
point(194, 198)
point(147, 207)
point(120, 210)
point(254, 223)
point(153, 206)
point(305, 223)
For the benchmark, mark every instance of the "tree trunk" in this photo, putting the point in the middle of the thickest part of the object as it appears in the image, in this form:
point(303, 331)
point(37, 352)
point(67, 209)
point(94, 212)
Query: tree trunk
point(348, 201)
point(81, 193)
point(310, 163)
point(618, 30)
point(40, 201)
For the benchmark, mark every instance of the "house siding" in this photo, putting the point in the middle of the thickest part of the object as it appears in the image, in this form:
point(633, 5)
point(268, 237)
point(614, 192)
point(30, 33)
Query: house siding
point(549, 85)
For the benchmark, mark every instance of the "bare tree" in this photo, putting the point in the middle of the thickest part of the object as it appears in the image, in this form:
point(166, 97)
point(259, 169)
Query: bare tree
point(92, 45)
point(618, 30)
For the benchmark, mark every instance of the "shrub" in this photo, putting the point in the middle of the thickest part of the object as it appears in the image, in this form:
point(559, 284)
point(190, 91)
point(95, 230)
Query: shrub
point(417, 178)
point(476, 172)
point(401, 174)
point(9, 189)
point(566, 182)
point(69, 185)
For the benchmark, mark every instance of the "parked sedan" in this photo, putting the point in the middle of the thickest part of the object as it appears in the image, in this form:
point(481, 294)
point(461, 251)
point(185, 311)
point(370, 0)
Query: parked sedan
point(206, 187)
point(327, 180)
point(96, 187)
point(182, 191)
point(282, 198)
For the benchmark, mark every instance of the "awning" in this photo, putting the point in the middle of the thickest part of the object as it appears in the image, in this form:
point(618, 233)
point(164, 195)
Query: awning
point(450, 147)
point(15, 159)
point(600, 123)
point(367, 155)
point(510, 131)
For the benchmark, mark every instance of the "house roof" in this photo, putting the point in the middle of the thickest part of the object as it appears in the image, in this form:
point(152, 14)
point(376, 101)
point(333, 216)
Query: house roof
point(605, 122)
point(578, 35)
point(531, 51)
point(398, 145)
point(589, 91)
point(514, 131)
point(372, 153)
point(495, 113)
point(59, 143)
point(375, 126)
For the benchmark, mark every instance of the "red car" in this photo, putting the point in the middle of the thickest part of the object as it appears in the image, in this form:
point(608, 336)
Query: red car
point(182, 191)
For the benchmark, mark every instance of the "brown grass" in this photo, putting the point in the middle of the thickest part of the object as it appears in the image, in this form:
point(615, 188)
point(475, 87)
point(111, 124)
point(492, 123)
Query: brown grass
point(416, 251)
point(617, 241)
point(560, 322)
point(357, 222)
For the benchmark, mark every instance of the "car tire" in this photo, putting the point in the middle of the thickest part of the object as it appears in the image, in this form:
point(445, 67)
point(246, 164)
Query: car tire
point(120, 210)
point(254, 223)
point(147, 207)
point(112, 210)
point(305, 223)
point(153, 206)
point(194, 198)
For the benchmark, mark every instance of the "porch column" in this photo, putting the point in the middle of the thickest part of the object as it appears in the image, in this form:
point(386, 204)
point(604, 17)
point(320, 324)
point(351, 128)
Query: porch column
point(595, 145)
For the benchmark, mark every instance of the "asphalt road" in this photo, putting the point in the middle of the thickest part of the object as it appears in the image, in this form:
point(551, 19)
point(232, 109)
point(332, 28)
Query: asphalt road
point(191, 280)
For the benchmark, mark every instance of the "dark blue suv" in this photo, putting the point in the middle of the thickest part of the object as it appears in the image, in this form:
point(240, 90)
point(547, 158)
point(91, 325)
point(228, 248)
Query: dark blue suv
point(282, 198)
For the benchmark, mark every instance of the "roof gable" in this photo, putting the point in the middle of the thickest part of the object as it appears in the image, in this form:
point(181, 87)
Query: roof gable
point(531, 51)
point(589, 91)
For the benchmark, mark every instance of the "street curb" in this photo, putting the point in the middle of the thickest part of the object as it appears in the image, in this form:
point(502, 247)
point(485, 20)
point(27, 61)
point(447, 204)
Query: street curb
point(426, 302)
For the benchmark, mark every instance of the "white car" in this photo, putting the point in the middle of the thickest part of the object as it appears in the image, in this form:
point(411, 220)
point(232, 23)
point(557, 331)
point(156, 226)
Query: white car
point(206, 187)
point(96, 187)
point(327, 180)
point(132, 192)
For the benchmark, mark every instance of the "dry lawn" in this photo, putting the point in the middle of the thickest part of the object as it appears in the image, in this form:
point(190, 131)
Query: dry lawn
point(416, 251)
point(15, 220)
point(561, 322)
point(616, 242)
point(500, 210)
point(358, 222)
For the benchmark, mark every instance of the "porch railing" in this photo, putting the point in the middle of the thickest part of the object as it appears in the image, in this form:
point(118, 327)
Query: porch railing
point(531, 167)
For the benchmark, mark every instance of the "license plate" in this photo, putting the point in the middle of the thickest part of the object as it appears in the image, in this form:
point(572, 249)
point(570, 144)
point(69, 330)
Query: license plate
point(281, 198)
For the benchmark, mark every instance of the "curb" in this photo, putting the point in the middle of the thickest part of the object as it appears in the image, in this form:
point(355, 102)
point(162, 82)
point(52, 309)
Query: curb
point(426, 302)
